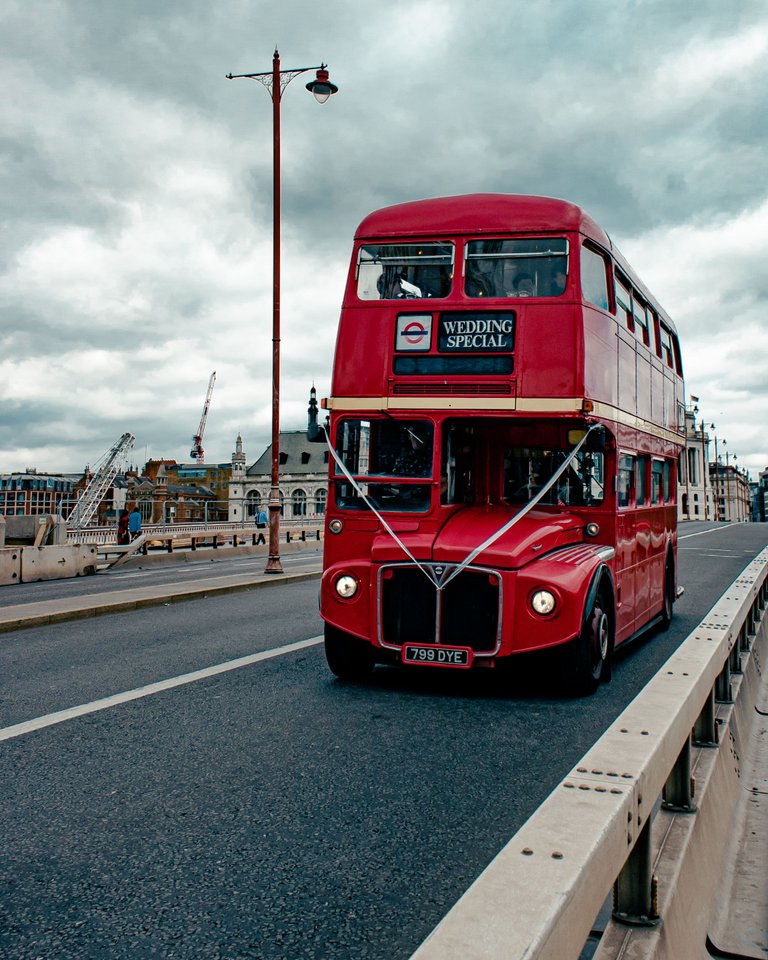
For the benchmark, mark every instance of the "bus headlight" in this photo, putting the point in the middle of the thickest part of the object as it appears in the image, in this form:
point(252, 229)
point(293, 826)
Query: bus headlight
point(346, 587)
point(593, 529)
point(543, 602)
point(335, 526)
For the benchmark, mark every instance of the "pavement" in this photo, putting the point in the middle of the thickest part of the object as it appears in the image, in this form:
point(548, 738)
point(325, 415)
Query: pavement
point(41, 612)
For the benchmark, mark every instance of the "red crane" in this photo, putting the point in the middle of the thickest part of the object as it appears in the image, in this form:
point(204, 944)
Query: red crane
point(197, 452)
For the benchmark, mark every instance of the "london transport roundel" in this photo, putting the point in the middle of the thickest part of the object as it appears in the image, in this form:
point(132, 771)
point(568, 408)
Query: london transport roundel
point(413, 332)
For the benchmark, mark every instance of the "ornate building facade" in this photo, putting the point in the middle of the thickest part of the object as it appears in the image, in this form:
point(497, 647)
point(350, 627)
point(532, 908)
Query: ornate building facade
point(303, 476)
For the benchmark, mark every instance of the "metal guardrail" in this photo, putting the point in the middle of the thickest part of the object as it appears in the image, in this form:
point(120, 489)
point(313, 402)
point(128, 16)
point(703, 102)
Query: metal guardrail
point(539, 897)
point(106, 535)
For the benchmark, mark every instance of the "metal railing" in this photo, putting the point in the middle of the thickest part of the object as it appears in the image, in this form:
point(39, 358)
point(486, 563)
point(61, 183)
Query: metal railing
point(540, 896)
point(200, 529)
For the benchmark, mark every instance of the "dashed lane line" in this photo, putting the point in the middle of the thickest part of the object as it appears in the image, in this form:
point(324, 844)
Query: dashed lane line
point(60, 716)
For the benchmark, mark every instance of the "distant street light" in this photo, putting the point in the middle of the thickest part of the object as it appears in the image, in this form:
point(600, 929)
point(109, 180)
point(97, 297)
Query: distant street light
point(275, 82)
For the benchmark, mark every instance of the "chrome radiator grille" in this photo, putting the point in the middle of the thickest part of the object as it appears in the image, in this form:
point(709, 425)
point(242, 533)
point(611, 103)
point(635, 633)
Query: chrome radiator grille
point(466, 613)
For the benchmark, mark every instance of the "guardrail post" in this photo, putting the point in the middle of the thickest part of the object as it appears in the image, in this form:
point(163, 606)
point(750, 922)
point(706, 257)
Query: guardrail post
point(677, 795)
point(317, 532)
point(169, 548)
point(705, 730)
point(215, 541)
point(194, 543)
point(744, 637)
point(723, 692)
point(635, 890)
point(303, 536)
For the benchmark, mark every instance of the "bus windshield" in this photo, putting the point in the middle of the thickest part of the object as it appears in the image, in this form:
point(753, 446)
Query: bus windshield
point(372, 450)
point(527, 470)
point(404, 271)
point(526, 267)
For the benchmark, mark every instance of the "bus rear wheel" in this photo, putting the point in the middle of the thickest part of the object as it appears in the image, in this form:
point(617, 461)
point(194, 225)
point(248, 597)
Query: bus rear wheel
point(349, 657)
point(587, 663)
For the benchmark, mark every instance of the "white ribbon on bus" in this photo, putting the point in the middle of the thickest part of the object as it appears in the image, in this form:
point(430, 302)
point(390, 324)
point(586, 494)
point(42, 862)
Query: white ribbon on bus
point(445, 578)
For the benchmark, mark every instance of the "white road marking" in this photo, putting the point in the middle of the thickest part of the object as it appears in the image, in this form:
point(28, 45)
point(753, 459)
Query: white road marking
point(28, 726)
point(701, 533)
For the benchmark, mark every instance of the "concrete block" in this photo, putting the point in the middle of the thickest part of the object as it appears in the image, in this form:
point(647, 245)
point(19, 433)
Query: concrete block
point(25, 529)
point(57, 563)
point(10, 564)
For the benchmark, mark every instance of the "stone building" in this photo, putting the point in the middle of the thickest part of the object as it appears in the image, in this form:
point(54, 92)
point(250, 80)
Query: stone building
point(695, 499)
point(303, 476)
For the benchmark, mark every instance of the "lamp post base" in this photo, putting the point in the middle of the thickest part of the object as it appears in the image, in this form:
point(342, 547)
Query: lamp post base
point(273, 565)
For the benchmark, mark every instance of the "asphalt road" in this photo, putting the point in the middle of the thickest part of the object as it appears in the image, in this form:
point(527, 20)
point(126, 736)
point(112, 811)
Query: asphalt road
point(271, 811)
point(184, 567)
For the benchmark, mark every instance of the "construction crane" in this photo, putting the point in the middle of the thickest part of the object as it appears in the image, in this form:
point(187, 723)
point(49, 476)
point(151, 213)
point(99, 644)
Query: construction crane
point(197, 452)
point(102, 479)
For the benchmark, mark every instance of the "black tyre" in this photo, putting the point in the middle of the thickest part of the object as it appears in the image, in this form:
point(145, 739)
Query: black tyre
point(669, 594)
point(586, 661)
point(350, 658)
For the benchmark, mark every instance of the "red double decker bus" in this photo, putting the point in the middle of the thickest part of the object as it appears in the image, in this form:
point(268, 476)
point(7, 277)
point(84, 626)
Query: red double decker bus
point(505, 423)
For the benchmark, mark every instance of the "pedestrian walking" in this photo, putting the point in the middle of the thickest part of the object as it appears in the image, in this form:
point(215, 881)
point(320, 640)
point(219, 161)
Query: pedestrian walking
point(134, 523)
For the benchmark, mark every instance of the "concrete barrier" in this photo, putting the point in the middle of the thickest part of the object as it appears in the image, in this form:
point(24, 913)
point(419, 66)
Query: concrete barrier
point(10, 564)
point(56, 563)
point(671, 867)
point(37, 530)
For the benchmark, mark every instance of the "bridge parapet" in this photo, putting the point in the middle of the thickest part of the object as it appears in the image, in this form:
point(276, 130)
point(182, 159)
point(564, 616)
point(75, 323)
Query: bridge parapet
point(603, 828)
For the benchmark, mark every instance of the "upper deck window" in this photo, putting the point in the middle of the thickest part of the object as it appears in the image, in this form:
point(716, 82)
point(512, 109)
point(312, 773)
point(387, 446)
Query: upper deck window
point(623, 303)
point(525, 267)
point(594, 284)
point(404, 271)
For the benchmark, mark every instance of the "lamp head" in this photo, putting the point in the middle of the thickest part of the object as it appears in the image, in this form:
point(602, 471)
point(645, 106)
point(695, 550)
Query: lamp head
point(321, 87)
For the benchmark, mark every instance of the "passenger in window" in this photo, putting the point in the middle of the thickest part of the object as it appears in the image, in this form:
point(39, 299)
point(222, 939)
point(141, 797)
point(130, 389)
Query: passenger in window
point(557, 285)
point(523, 286)
point(478, 282)
point(390, 284)
point(506, 279)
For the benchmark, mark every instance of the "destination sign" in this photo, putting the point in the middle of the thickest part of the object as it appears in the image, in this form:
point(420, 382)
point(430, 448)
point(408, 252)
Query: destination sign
point(489, 331)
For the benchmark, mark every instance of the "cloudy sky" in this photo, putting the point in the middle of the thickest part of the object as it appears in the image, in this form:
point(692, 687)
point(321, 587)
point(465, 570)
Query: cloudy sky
point(135, 239)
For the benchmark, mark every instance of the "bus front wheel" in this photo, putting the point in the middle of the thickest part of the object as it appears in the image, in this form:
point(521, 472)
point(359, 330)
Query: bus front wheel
point(349, 657)
point(586, 664)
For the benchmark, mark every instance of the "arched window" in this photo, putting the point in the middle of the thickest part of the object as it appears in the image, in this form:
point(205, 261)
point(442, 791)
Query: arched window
point(320, 498)
point(299, 503)
point(252, 503)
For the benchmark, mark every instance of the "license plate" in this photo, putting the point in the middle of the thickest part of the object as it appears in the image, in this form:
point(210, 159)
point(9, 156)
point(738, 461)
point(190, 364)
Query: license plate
point(432, 656)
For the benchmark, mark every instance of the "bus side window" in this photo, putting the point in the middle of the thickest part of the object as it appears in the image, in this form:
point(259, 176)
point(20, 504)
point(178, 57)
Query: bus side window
point(625, 479)
point(657, 481)
point(669, 488)
point(640, 493)
point(594, 278)
point(641, 322)
point(623, 303)
point(667, 354)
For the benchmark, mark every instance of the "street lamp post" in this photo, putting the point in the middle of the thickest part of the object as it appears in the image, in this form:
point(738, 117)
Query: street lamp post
point(275, 82)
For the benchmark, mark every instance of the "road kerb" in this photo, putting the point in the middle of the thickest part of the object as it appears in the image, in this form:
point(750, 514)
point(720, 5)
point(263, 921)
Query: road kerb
point(17, 617)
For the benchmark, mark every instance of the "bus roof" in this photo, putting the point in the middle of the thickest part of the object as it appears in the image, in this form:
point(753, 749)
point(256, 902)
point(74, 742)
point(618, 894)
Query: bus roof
point(478, 213)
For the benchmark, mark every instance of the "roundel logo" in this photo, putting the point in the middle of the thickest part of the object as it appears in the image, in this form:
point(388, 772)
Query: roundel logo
point(414, 332)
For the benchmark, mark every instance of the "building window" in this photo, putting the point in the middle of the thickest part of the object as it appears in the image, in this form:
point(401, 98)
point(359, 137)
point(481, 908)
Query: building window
point(299, 503)
point(320, 498)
